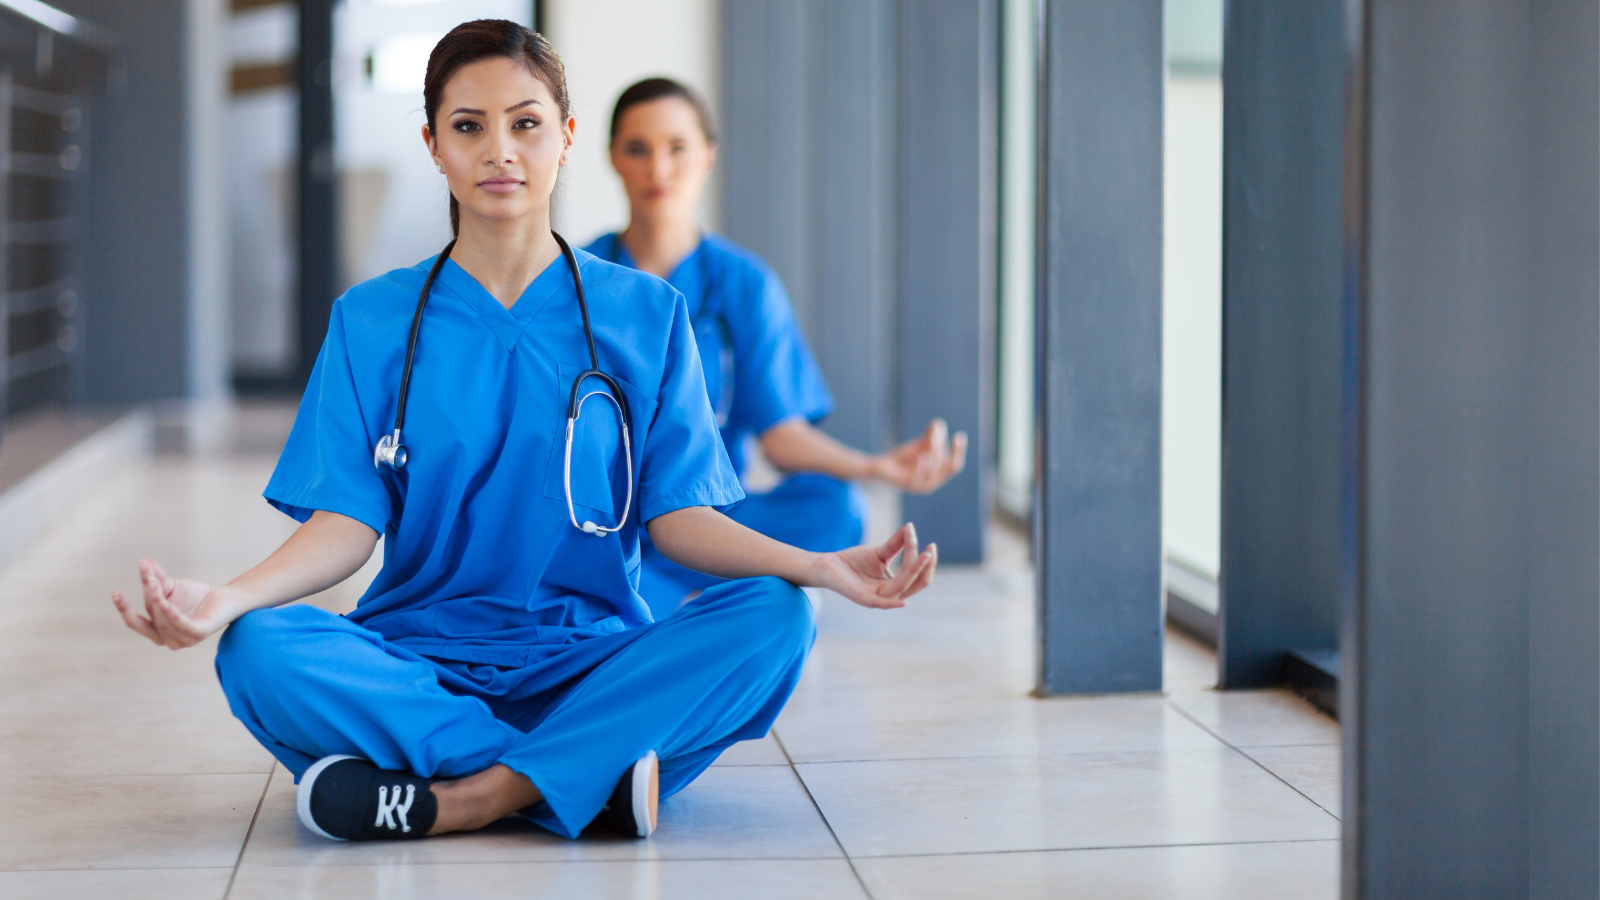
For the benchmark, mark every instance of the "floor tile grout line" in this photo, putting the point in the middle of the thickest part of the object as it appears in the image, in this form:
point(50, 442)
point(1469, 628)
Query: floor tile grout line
point(1286, 746)
point(1185, 713)
point(721, 859)
point(821, 815)
point(553, 861)
point(1106, 847)
point(245, 844)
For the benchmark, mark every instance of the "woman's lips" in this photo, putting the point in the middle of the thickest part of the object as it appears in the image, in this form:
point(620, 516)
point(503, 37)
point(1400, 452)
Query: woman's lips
point(500, 185)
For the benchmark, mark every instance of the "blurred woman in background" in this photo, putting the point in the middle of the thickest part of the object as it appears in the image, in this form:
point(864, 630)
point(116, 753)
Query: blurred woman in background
point(760, 375)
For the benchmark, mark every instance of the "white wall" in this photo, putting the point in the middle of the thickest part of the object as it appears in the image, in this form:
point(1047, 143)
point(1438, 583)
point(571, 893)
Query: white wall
point(1018, 185)
point(394, 204)
point(606, 46)
point(209, 306)
point(1191, 452)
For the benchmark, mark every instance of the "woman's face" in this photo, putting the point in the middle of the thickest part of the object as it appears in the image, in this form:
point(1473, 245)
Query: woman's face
point(663, 157)
point(500, 140)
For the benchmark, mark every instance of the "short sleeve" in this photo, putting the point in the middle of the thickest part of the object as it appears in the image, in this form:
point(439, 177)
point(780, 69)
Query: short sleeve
point(775, 376)
point(684, 463)
point(327, 462)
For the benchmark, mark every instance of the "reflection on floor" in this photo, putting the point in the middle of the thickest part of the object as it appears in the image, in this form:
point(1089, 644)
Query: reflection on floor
point(911, 763)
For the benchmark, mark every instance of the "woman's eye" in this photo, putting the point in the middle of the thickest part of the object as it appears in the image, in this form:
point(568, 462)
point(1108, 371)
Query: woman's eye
point(527, 122)
point(467, 126)
point(637, 151)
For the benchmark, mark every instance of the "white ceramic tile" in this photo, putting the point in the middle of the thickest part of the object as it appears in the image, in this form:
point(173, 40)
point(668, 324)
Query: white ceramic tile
point(1303, 871)
point(116, 884)
point(730, 812)
point(919, 722)
point(1258, 718)
point(87, 656)
point(125, 822)
point(849, 665)
point(149, 738)
point(1187, 664)
point(1312, 770)
point(992, 804)
point(769, 879)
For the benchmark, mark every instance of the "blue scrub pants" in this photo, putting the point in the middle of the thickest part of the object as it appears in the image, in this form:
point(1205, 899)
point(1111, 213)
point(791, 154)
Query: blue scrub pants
point(811, 511)
point(309, 684)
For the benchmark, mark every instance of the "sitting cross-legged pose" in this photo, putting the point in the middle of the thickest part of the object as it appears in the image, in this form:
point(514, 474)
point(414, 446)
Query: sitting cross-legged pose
point(762, 378)
point(511, 416)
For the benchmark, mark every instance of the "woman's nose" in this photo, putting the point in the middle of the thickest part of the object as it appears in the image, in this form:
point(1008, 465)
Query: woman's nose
point(500, 151)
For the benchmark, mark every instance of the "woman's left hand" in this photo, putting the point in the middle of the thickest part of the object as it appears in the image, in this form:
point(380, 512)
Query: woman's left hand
point(862, 574)
point(922, 466)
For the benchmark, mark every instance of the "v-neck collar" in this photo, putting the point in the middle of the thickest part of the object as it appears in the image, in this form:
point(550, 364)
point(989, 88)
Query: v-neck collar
point(507, 324)
point(681, 276)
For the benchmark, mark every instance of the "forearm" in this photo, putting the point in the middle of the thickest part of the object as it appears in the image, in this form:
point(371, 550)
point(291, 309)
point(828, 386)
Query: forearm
point(796, 445)
point(702, 539)
point(324, 551)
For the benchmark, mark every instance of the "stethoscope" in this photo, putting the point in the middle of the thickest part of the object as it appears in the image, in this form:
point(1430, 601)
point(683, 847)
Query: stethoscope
point(391, 452)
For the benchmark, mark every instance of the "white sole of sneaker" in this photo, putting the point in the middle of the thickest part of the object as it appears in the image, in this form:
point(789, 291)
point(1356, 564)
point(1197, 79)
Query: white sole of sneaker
point(302, 794)
point(646, 793)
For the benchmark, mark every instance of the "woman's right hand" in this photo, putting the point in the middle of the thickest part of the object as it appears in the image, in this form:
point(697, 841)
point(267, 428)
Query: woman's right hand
point(179, 612)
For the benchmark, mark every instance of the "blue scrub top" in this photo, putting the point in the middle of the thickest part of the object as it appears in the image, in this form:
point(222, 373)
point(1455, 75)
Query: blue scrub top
point(481, 562)
point(745, 329)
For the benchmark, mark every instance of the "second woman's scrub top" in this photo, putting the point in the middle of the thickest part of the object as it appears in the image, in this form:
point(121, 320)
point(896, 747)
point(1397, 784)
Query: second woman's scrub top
point(746, 328)
point(482, 565)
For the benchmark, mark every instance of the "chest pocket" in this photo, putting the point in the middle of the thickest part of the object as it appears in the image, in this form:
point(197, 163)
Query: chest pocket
point(599, 472)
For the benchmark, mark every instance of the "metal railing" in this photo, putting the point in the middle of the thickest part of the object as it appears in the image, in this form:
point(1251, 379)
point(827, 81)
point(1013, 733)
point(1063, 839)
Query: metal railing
point(43, 172)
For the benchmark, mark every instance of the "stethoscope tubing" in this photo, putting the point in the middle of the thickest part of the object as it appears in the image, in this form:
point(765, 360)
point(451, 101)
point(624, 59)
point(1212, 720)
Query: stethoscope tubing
point(390, 450)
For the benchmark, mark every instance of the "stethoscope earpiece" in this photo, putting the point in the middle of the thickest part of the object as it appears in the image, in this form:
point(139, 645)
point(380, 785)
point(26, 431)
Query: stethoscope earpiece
point(392, 453)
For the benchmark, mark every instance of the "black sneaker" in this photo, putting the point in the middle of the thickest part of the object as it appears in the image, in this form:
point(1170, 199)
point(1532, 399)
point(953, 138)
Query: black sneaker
point(632, 807)
point(347, 798)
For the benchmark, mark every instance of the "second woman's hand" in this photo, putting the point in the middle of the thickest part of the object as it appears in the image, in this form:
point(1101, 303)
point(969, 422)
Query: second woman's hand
point(923, 465)
point(864, 576)
point(179, 612)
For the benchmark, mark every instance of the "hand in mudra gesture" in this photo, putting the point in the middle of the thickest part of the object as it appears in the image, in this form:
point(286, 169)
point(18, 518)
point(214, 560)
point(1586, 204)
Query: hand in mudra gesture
point(923, 465)
point(864, 574)
point(178, 612)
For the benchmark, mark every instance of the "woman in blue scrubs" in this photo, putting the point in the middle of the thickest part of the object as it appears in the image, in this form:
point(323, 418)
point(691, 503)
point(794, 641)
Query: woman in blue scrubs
point(503, 660)
point(762, 378)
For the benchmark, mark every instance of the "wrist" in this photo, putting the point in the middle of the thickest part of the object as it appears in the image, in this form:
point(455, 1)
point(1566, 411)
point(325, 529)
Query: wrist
point(874, 468)
point(812, 569)
point(234, 600)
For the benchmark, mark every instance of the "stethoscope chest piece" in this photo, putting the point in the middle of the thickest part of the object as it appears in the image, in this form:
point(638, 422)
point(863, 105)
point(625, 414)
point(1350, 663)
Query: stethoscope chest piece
point(390, 452)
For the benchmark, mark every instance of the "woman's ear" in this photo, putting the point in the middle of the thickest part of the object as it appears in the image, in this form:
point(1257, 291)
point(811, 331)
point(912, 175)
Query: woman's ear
point(427, 141)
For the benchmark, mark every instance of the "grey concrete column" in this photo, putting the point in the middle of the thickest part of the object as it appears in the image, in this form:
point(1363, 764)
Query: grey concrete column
point(808, 160)
point(1098, 504)
point(158, 325)
point(1283, 124)
point(765, 138)
point(1564, 458)
point(854, 140)
point(317, 225)
point(949, 79)
point(1471, 641)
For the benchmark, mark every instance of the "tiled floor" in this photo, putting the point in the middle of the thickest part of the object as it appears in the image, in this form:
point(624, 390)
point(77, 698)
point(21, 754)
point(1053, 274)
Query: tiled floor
point(911, 762)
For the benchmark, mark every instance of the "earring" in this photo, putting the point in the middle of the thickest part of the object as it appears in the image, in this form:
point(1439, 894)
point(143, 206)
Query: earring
point(439, 167)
